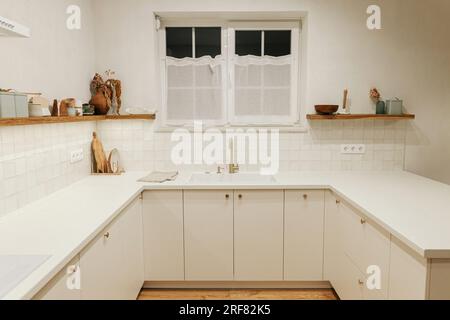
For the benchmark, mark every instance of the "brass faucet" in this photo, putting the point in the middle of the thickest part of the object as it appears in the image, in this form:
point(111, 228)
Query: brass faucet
point(232, 167)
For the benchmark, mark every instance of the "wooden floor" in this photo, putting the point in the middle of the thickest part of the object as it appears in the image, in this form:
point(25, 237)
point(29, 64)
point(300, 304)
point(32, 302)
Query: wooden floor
point(267, 294)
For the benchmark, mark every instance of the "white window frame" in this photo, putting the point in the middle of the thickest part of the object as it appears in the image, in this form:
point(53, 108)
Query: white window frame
point(162, 64)
point(228, 54)
point(294, 27)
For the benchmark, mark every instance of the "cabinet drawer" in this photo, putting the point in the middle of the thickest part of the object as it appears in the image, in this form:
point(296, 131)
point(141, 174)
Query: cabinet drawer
point(351, 281)
point(367, 245)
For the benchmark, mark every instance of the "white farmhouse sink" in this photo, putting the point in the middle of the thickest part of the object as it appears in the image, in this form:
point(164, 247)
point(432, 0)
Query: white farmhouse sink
point(238, 178)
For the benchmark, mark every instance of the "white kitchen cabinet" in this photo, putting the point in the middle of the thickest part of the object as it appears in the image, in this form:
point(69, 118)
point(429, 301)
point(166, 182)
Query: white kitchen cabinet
point(353, 242)
point(133, 250)
point(111, 265)
point(163, 235)
point(332, 238)
point(408, 274)
point(208, 234)
point(439, 279)
point(64, 285)
point(258, 235)
point(368, 246)
point(350, 282)
point(303, 235)
point(102, 266)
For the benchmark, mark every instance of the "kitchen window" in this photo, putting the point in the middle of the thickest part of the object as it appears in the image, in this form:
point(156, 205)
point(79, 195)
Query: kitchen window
point(242, 73)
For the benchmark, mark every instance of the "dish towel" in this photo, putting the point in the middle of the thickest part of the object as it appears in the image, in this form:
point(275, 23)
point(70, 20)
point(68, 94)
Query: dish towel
point(159, 177)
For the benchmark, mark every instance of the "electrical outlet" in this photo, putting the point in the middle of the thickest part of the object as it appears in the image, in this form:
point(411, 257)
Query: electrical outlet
point(353, 149)
point(76, 156)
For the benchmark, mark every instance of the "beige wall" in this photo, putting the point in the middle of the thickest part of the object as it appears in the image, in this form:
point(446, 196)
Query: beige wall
point(54, 61)
point(408, 58)
point(34, 160)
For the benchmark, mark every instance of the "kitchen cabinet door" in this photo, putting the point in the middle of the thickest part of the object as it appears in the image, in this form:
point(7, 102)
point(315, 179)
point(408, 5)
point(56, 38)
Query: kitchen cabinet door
point(303, 235)
point(368, 246)
point(163, 235)
point(64, 286)
point(333, 247)
point(208, 232)
point(102, 266)
point(258, 235)
point(350, 283)
point(133, 242)
point(408, 273)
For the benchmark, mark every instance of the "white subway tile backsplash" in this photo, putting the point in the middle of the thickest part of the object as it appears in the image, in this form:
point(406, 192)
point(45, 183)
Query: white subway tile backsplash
point(144, 148)
point(34, 161)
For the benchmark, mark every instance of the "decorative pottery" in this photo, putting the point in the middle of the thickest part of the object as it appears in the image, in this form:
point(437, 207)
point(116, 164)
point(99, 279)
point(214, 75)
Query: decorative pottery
point(100, 103)
point(326, 109)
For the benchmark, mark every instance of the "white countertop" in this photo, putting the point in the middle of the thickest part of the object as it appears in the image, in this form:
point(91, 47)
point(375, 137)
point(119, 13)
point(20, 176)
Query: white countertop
point(412, 208)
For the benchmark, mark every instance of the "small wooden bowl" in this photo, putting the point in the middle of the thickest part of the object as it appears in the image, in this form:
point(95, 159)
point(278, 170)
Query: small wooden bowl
point(326, 109)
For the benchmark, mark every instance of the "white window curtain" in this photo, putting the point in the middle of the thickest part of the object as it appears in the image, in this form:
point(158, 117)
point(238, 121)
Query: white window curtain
point(195, 90)
point(263, 90)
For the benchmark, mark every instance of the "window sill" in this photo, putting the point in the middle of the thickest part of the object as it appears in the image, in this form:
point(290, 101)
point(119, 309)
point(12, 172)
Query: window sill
point(282, 129)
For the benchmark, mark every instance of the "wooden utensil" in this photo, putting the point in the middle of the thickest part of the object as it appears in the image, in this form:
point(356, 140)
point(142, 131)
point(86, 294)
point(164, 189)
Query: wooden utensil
point(344, 104)
point(55, 110)
point(100, 164)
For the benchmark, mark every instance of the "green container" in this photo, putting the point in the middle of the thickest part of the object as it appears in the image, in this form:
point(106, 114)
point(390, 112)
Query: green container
point(381, 107)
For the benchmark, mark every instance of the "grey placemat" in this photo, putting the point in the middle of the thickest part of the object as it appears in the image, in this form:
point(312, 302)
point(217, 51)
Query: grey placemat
point(159, 177)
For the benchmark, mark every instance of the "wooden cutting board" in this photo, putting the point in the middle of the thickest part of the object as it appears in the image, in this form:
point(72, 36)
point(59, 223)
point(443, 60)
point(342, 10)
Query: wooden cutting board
point(100, 162)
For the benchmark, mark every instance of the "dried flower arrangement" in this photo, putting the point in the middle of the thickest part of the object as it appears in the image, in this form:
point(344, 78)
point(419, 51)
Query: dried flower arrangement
point(106, 95)
point(375, 95)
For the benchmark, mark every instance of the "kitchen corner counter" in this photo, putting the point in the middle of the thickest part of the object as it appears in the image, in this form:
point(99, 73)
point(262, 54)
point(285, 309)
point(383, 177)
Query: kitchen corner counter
point(414, 209)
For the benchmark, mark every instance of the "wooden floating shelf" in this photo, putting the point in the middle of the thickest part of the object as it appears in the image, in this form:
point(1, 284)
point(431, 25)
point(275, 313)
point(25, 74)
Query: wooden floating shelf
point(49, 120)
point(360, 116)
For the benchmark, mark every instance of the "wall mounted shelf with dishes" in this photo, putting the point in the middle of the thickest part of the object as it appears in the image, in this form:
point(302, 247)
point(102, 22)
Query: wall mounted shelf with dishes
point(5, 122)
point(360, 116)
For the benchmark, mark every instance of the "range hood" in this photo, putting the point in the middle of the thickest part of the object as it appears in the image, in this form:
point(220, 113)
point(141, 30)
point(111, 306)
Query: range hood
point(9, 28)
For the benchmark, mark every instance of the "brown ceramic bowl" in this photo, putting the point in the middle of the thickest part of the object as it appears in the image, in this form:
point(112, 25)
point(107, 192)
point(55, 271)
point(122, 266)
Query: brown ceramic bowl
point(326, 109)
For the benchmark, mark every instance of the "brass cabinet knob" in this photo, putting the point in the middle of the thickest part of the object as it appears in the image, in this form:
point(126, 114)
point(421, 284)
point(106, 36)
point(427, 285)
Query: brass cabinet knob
point(360, 282)
point(305, 196)
point(107, 235)
point(72, 270)
point(363, 221)
point(338, 201)
point(240, 196)
point(227, 196)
